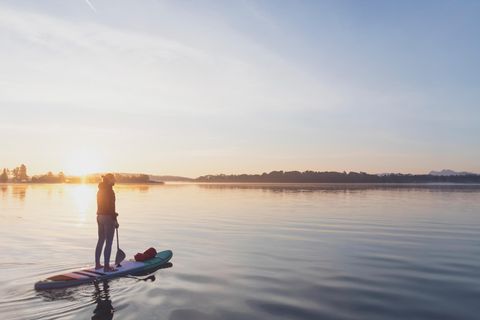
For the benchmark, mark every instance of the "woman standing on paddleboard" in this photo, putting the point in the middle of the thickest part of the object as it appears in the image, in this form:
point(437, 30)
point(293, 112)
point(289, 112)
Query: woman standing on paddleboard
point(106, 220)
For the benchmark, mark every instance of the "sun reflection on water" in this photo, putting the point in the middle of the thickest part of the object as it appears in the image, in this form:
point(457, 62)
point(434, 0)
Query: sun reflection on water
point(83, 199)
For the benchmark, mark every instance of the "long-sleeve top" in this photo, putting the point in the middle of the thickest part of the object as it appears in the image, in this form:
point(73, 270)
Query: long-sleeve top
point(105, 199)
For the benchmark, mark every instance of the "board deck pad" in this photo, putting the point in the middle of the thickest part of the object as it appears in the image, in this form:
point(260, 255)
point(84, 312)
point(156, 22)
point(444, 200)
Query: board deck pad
point(87, 275)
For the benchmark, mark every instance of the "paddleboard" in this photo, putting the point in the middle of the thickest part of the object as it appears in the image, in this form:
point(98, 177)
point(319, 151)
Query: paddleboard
point(87, 275)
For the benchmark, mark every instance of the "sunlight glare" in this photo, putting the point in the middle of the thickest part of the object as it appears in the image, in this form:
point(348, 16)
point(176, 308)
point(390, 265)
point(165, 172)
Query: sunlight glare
point(82, 163)
point(83, 199)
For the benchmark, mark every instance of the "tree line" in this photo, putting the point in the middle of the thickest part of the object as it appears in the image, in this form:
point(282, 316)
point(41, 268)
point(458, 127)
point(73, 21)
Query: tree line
point(337, 177)
point(19, 175)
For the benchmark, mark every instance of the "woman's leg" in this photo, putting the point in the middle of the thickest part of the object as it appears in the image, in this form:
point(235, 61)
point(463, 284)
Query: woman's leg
point(100, 242)
point(109, 233)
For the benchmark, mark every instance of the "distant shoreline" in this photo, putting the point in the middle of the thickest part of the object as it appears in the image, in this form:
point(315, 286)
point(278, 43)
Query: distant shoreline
point(341, 177)
point(19, 175)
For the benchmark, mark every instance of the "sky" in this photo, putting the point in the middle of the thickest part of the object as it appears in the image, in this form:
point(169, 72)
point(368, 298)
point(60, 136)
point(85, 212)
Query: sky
point(205, 87)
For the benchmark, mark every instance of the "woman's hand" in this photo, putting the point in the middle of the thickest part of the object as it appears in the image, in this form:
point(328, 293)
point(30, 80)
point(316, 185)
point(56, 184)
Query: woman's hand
point(116, 224)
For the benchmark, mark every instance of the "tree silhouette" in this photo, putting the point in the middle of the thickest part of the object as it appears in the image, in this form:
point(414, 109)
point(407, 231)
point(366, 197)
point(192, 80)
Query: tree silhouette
point(4, 176)
point(20, 174)
point(16, 174)
point(23, 173)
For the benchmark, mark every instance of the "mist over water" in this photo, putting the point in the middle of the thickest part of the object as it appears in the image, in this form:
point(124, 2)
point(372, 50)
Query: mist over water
point(249, 251)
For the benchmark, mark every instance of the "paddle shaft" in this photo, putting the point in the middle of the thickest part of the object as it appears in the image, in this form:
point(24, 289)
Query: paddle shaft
point(120, 254)
point(118, 244)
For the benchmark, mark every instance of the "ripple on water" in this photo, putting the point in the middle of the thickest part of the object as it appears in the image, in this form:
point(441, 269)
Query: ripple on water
point(288, 311)
point(200, 279)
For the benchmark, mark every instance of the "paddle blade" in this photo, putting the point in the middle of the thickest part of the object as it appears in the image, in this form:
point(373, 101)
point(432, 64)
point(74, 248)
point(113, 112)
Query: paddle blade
point(119, 257)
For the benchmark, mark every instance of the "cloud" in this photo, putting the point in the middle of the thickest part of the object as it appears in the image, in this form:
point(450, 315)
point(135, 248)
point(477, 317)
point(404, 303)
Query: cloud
point(84, 62)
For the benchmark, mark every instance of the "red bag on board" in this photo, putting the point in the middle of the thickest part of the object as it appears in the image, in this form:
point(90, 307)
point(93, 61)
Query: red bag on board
point(146, 255)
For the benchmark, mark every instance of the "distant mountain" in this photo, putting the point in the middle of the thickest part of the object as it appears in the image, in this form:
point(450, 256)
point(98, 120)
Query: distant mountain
point(448, 172)
point(170, 178)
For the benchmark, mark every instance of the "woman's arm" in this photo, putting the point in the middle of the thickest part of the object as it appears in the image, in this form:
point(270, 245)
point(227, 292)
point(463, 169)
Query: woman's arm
point(114, 209)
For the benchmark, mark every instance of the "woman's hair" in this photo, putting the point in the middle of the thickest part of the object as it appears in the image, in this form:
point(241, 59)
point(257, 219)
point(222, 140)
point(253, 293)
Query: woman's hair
point(108, 178)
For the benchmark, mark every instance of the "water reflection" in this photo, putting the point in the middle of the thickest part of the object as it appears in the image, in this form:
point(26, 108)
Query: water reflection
point(395, 252)
point(104, 309)
point(335, 187)
point(102, 293)
point(4, 190)
point(150, 272)
point(83, 198)
point(142, 188)
point(19, 191)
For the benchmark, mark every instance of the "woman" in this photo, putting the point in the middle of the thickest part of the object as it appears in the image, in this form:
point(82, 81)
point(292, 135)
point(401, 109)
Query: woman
point(106, 220)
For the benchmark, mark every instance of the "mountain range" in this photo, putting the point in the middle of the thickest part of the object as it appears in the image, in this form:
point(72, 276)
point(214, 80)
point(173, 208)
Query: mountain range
point(448, 172)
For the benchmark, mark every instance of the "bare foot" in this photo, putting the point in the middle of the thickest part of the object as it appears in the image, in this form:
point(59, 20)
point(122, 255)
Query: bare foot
point(98, 266)
point(109, 269)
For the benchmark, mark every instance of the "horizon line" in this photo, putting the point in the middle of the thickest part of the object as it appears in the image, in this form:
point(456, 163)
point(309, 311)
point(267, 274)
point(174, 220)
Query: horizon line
point(243, 173)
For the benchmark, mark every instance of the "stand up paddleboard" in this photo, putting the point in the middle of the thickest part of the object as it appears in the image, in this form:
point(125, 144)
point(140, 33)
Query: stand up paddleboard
point(91, 274)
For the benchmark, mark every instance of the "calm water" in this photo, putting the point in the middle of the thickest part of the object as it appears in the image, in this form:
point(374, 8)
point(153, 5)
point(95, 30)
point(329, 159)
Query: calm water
point(250, 252)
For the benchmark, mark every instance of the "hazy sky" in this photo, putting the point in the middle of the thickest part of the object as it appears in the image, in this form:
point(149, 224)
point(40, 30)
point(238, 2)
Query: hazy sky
point(198, 87)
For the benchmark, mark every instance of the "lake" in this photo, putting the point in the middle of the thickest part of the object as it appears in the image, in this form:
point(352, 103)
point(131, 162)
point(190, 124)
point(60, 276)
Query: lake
point(249, 251)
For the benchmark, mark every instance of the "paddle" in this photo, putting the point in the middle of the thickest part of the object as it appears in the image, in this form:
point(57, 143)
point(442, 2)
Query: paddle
point(149, 272)
point(152, 277)
point(120, 254)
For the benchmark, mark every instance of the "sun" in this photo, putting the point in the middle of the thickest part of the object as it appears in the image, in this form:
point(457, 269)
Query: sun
point(83, 163)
